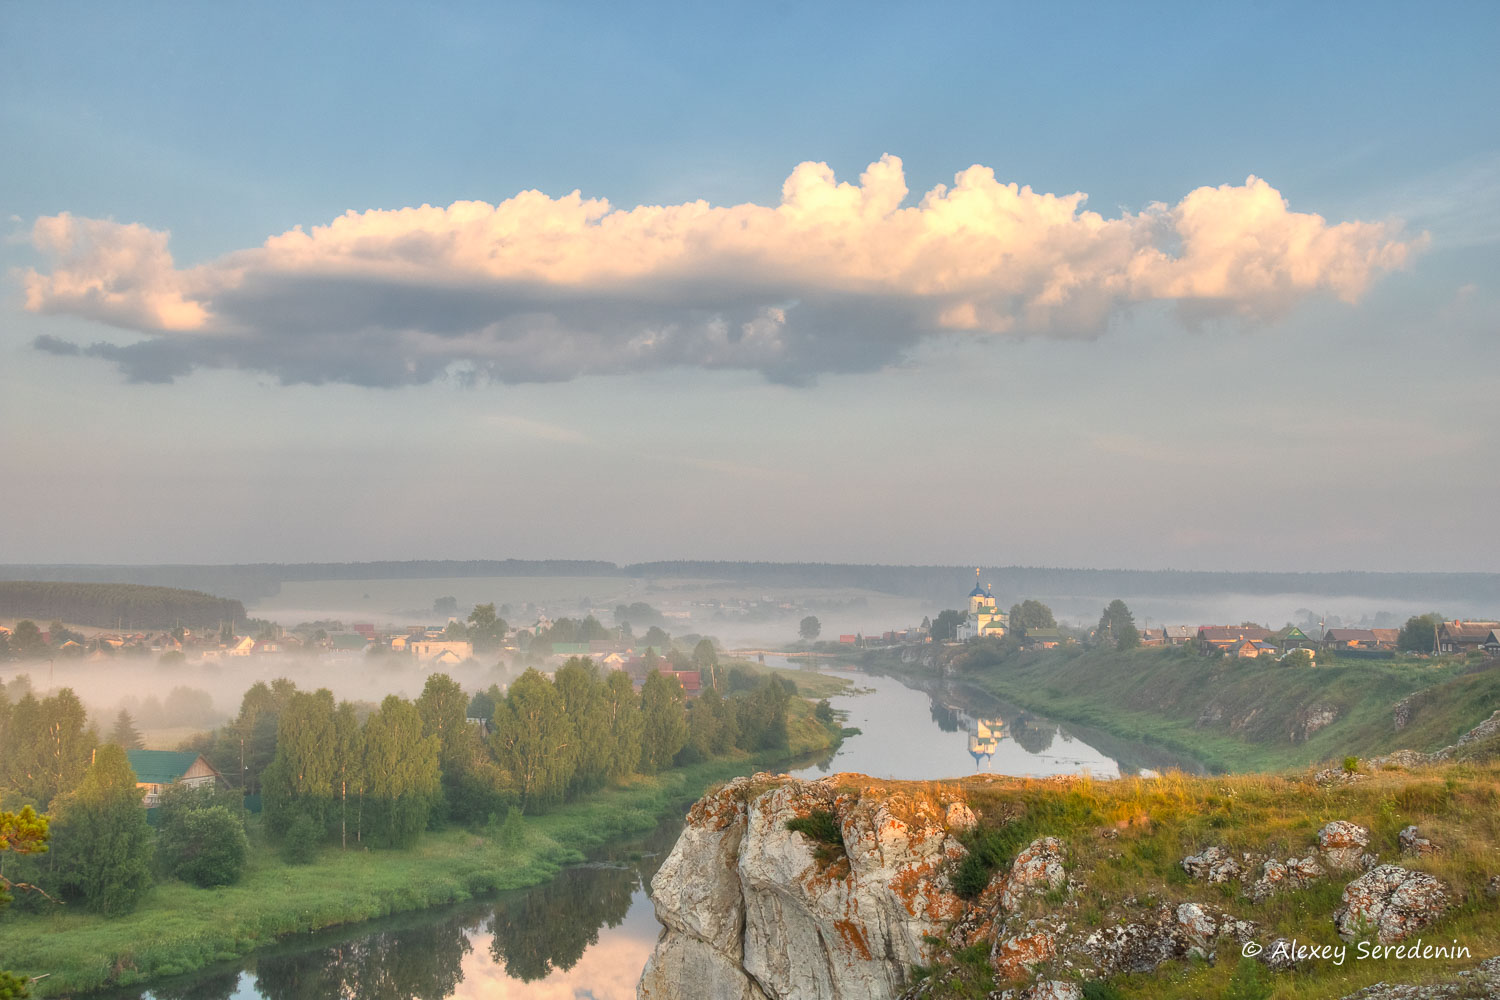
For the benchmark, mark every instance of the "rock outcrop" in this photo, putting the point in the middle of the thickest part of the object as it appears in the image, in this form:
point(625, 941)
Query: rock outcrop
point(1389, 903)
point(751, 909)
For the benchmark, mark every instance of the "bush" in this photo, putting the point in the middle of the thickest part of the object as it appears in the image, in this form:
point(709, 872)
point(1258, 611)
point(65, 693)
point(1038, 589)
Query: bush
point(820, 827)
point(823, 712)
point(1351, 765)
point(299, 844)
point(206, 847)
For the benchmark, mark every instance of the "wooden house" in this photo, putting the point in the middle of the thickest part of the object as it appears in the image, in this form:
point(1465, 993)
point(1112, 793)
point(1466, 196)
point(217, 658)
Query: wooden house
point(157, 769)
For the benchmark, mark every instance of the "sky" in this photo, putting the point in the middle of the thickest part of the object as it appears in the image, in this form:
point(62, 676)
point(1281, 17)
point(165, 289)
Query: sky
point(1150, 286)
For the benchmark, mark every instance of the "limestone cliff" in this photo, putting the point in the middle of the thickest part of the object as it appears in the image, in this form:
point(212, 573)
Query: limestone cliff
point(752, 910)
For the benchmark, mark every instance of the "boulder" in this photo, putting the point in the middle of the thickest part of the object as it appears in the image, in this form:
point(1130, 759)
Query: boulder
point(1414, 843)
point(1037, 869)
point(1390, 903)
point(1342, 845)
point(1278, 876)
point(1213, 865)
point(1016, 956)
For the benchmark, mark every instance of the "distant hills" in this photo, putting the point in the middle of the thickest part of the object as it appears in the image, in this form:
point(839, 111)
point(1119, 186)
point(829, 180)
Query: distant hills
point(114, 605)
point(253, 581)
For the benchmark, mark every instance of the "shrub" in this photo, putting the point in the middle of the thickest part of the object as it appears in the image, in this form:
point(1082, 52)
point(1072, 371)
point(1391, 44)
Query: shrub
point(206, 847)
point(1351, 765)
point(820, 827)
point(299, 844)
point(823, 712)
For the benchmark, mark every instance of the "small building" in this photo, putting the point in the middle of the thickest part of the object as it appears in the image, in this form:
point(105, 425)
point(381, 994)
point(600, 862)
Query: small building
point(1042, 638)
point(1291, 638)
point(1464, 637)
point(1249, 649)
point(1386, 638)
point(1349, 638)
point(1211, 637)
point(156, 769)
point(431, 651)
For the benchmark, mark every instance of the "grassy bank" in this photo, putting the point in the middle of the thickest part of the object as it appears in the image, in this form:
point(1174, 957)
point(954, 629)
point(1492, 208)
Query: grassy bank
point(1233, 715)
point(1125, 841)
point(180, 928)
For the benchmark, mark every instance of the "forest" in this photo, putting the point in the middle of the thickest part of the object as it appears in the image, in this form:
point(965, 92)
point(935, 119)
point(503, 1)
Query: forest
point(116, 605)
point(344, 776)
point(249, 582)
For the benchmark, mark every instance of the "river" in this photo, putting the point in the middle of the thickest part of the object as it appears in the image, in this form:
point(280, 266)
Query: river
point(587, 934)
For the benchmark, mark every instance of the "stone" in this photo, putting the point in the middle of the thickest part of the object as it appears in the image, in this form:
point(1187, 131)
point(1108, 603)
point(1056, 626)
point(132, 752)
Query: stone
point(1198, 927)
point(749, 910)
point(1414, 843)
point(1277, 876)
point(1052, 989)
point(1391, 903)
point(1016, 956)
point(1278, 955)
point(1038, 868)
point(1342, 845)
point(1213, 865)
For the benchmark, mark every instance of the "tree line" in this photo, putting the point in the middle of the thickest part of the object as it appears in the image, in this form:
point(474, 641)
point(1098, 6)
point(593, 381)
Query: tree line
point(111, 605)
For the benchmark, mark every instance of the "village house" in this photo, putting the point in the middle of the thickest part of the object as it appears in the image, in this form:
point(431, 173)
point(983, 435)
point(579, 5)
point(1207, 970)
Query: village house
point(1211, 637)
point(1349, 638)
point(1464, 637)
point(441, 652)
point(155, 770)
point(1291, 638)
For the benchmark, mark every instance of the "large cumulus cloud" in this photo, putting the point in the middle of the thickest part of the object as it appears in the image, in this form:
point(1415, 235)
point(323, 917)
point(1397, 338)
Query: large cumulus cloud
point(837, 277)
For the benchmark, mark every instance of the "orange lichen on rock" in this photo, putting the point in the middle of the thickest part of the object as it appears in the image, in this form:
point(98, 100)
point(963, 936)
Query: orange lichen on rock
point(853, 937)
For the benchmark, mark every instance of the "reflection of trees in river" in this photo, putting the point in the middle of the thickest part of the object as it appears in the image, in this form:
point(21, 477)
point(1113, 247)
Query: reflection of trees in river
point(945, 716)
point(550, 927)
point(424, 960)
point(1034, 735)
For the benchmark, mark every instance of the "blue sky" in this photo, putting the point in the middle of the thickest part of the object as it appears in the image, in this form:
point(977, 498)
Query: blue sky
point(1344, 424)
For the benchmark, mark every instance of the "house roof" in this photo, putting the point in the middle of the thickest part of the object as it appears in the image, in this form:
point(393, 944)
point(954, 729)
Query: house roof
point(1349, 635)
point(1178, 631)
point(1473, 631)
point(1043, 633)
point(1220, 633)
point(160, 767)
point(1386, 634)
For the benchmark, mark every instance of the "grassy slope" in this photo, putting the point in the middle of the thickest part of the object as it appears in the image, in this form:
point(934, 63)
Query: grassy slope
point(180, 928)
point(1154, 823)
point(1159, 696)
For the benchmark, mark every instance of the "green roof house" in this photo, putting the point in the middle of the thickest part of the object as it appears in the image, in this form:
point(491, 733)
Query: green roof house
point(156, 769)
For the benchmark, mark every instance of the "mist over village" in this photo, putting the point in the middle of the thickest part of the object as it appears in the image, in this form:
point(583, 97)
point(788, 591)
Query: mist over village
point(660, 502)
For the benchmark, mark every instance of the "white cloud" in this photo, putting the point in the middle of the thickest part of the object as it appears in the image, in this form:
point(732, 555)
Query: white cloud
point(837, 277)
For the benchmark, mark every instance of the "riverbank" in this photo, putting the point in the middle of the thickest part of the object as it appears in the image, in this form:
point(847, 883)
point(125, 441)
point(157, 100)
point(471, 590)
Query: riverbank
point(1233, 715)
point(180, 928)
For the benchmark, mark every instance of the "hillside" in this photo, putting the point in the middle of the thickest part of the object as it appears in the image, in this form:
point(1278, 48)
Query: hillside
point(1175, 888)
point(112, 605)
point(1230, 714)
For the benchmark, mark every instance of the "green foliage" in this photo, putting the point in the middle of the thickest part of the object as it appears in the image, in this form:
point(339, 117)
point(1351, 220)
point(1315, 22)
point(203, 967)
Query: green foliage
point(762, 716)
point(1101, 989)
point(1420, 634)
point(512, 833)
point(586, 706)
point(299, 844)
point(945, 628)
point(819, 825)
point(401, 777)
point(101, 842)
point(810, 628)
point(535, 741)
point(204, 846)
point(124, 734)
point(127, 605)
point(1351, 765)
point(13, 987)
point(626, 724)
point(44, 746)
point(486, 628)
point(1117, 627)
point(639, 613)
point(300, 780)
point(1031, 614)
point(665, 731)
point(1251, 981)
point(443, 706)
point(823, 712)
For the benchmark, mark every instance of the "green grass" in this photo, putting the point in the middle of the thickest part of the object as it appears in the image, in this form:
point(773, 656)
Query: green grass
point(1240, 715)
point(180, 928)
point(1126, 838)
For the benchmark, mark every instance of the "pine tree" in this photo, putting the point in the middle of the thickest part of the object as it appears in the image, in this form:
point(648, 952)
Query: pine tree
point(101, 841)
point(125, 735)
point(666, 729)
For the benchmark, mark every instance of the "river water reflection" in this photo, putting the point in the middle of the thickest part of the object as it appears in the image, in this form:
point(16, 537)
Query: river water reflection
point(586, 935)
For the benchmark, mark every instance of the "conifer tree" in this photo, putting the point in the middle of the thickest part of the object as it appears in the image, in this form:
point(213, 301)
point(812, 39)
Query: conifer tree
point(124, 734)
